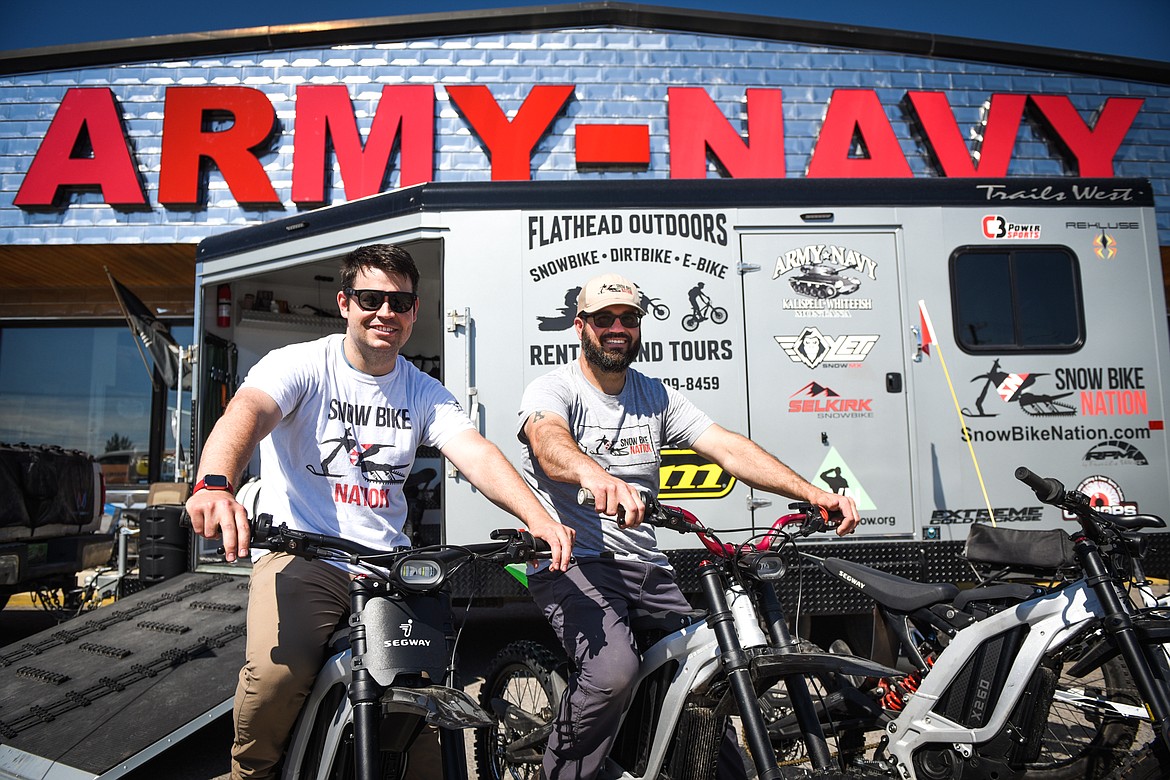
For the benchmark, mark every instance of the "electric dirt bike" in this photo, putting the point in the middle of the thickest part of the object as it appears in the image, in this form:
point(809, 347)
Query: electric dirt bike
point(1013, 679)
point(392, 670)
point(696, 671)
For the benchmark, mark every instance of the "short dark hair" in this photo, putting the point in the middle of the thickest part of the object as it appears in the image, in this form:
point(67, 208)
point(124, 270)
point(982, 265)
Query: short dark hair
point(387, 258)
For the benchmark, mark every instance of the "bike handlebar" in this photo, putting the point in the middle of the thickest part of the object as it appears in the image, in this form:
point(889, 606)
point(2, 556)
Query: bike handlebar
point(659, 515)
point(1095, 524)
point(511, 546)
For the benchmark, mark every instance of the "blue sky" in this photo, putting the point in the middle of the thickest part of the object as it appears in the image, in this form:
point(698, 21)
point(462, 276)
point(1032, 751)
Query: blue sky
point(1127, 28)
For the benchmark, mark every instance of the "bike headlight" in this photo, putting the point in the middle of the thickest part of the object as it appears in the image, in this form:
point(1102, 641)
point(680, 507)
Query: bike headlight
point(419, 573)
point(767, 566)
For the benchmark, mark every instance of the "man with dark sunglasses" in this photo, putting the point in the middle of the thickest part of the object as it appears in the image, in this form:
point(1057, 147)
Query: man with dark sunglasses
point(599, 424)
point(338, 421)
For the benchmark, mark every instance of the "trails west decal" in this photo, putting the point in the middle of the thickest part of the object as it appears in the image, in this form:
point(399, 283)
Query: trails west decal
point(826, 277)
point(825, 403)
point(814, 348)
point(686, 474)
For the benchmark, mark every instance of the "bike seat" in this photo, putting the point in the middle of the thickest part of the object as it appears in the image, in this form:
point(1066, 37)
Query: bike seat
point(999, 595)
point(890, 590)
point(665, 622)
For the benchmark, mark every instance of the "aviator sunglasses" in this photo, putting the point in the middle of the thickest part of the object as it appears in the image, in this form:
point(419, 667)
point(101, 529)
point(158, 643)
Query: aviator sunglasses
point(371, 300)
point(604, 319)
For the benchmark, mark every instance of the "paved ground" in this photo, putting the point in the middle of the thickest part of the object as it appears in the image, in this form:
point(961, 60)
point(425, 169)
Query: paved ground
point(204, 756)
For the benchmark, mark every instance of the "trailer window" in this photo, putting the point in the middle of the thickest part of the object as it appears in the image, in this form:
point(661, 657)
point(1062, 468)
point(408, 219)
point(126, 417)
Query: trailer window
point(1017, 300)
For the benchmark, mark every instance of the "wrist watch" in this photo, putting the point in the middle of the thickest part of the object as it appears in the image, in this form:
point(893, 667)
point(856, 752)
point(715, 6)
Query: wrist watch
point(213, 482)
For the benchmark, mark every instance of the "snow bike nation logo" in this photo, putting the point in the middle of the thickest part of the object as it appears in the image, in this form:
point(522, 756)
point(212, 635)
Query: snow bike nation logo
point(825, 403)
point(813, 348)
point(1018, 389)
point(818, 275)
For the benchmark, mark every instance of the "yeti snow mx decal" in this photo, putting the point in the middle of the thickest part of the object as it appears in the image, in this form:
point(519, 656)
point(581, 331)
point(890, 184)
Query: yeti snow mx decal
point(814, 348)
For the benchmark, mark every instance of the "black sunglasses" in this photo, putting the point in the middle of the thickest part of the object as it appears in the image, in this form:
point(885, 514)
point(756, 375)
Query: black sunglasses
point(371, 300)
point(604, 319)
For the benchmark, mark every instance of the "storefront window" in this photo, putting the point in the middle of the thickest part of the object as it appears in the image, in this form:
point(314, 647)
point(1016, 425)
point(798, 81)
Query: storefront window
point(86, 387)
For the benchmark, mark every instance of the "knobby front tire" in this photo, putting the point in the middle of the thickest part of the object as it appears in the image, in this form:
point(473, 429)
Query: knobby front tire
point(531, 678)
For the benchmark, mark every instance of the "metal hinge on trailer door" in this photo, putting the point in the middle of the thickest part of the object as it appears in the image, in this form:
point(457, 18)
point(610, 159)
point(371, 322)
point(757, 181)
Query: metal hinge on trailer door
point(455, 321)
point(755, 502)
point(746, 268)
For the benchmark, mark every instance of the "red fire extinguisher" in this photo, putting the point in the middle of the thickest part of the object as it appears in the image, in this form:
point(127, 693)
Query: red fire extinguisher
point(223, 312)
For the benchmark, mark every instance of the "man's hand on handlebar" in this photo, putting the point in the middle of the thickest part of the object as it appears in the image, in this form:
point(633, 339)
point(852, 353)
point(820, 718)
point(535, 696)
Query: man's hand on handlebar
point(842, 510)
point(560, 542)
point(217, 513)
point(615, 498)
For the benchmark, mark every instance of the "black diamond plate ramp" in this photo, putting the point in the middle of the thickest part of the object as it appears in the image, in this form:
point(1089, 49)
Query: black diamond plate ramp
point(94, 696)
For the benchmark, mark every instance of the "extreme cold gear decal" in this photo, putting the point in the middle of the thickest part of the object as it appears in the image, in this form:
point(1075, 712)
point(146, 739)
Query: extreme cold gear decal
point(1017, 389)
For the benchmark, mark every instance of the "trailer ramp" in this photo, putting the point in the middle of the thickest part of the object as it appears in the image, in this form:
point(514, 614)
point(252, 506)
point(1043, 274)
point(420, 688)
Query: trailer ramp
point(99, 695)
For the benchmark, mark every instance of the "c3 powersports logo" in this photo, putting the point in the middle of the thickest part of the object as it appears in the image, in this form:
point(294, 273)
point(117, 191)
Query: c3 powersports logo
point(997, 228)
point(685, 474)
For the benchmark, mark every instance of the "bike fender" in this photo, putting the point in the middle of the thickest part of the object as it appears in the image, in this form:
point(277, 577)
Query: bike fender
point(447, 708)
point(1152, 629)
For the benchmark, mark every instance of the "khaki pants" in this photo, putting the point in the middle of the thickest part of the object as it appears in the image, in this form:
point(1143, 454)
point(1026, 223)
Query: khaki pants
point(294, 607)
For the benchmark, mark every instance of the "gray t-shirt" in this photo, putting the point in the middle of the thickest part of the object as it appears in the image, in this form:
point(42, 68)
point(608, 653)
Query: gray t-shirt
point(625, 434)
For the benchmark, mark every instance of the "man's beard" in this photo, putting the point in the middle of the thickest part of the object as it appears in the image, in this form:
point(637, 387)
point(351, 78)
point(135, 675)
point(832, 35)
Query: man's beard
point(611, 361)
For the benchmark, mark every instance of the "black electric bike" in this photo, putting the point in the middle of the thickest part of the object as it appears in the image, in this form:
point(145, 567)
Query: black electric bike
point(392, 670)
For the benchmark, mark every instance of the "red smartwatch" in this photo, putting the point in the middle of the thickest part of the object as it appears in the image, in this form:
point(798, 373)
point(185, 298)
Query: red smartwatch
point(213, 482)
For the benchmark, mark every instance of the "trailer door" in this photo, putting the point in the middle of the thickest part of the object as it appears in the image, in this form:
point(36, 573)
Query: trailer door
point(826, 362)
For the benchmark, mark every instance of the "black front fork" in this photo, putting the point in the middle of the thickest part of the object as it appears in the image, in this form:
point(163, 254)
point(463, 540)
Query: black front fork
point(364, 692)
point(737, 665)
point(1118, 623)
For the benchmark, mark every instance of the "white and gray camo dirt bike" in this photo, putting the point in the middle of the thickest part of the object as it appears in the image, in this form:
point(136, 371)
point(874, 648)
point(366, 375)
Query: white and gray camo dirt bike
point(1013, 680)
point(697, 670)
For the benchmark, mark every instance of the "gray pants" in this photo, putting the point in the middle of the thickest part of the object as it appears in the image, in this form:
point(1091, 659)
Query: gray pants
point(588, 607)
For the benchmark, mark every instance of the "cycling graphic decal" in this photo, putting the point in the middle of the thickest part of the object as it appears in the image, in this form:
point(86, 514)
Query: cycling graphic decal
point(1018, 389)
point(563, 319)
point(702, 309)
point(813, 348)
point(360, 455)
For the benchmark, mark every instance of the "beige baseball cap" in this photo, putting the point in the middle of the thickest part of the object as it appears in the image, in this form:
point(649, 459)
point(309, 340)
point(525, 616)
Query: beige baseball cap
point(608, 290)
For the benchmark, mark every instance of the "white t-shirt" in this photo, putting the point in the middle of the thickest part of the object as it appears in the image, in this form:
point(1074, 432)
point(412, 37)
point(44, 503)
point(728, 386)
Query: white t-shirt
point(625, 433)
point(336, 462)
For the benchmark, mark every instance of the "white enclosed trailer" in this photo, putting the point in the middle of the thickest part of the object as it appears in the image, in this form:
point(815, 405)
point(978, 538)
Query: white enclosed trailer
point(789, 311)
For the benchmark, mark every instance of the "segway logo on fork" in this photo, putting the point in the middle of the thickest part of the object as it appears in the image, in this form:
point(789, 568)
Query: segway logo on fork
point(406, 641)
